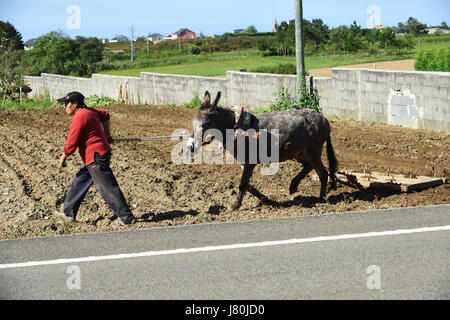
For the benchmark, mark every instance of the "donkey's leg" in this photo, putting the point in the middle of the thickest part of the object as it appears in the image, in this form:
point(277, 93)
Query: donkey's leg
point(243, 187)
point(323, 176)
point(259, 195)
point(307, 167)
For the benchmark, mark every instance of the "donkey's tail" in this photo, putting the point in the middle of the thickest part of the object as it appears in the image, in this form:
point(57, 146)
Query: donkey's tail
point(332, 162)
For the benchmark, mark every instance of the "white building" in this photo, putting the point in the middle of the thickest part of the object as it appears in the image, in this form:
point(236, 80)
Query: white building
point(437, 30)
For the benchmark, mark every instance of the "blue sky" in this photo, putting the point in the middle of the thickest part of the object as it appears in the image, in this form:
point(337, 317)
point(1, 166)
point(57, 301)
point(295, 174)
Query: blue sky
point(105, 19)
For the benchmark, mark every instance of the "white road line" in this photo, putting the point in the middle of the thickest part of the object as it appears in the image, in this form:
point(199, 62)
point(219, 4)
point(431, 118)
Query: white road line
point(223, 247)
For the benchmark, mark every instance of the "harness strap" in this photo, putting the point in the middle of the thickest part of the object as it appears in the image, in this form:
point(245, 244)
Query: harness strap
point(242, 117)
point(242, 122)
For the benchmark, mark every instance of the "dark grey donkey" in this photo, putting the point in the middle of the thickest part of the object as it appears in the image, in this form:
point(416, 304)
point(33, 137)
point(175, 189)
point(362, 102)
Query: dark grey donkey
point(301, 135)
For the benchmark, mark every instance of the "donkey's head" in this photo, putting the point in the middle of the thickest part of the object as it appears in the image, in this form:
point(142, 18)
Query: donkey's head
point(205, 119)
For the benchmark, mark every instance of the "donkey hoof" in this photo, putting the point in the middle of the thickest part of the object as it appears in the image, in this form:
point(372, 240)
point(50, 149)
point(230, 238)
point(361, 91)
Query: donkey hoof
point(322, 200)
point(236, 205)
point(292, 190)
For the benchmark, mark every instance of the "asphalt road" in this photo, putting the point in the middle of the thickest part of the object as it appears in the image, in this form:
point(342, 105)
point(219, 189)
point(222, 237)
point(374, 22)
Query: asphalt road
point(357, 255)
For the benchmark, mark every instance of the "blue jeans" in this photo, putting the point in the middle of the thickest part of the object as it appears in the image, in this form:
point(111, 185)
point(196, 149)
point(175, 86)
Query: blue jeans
point(99, 172)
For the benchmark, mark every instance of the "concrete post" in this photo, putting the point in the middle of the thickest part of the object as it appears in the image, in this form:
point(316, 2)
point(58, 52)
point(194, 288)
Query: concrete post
point(299, 43)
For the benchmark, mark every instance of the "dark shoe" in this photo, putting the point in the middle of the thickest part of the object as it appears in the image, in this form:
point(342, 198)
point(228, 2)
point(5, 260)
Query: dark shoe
point(131, 220)
point(63, 215)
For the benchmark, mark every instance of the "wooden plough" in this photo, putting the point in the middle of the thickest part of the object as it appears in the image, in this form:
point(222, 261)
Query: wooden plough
point(394, 182)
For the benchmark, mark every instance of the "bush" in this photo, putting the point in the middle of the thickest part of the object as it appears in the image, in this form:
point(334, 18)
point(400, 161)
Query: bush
point(309, 98)
point(194, 103)
point(433, 60)
point(96, 101)
point(30, 103)
point(193, 49)
point(281, 68)
point(283, 101)
point(306, 99)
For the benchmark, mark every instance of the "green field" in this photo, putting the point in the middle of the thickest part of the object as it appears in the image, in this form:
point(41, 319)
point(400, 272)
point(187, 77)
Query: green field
point(217, 64)
point(250, 63)
point(245, 60)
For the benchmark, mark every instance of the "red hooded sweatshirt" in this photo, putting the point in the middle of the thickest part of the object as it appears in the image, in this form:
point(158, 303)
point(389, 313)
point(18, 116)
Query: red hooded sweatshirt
point(86, 133)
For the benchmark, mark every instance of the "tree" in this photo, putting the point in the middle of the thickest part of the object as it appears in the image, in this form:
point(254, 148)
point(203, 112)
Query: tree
point(401, 28)
point(285, 37)
point(11, 67)
point(386, 37)
point(415, 27)
point(56, 53)
point(355, 30)
point(266, 46)
point(372, 37)
point(90, 52)
point(11, 79)
point(337, 37)
point(352, 43)
point(10, 37)
point(317, 32)
point(444, 25)
point(251, 30)
point(404, 42)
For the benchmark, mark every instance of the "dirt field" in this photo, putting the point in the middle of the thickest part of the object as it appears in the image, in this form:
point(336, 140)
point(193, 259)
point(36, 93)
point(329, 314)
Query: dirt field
point(161, 193)
point(385, 65)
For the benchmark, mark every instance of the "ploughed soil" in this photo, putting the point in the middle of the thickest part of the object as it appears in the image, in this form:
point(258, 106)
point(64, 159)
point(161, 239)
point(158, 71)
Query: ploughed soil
point(162, 193)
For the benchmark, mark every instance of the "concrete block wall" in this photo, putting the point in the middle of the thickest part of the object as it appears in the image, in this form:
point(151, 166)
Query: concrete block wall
point(413, 99)
point(407, 98)
point(179, 89)
point(258, 90)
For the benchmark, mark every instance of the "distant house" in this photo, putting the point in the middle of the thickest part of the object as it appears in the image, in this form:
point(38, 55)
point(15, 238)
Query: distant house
point(155, 37)
point(28, 45)
point(119, 38)
point(378, 27)
point(437, 30)
point(238, 31)
point(183, 34)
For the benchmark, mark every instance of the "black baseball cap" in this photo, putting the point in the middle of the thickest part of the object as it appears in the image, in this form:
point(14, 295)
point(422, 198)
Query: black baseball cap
point(72, 97)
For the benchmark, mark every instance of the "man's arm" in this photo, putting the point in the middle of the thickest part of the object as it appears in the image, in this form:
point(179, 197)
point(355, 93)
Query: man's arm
point(72, 141)
point(107, 128)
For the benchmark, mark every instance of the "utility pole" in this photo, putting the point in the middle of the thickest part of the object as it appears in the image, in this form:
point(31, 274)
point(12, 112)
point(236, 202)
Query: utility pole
point(132, 43)
point(299, 43)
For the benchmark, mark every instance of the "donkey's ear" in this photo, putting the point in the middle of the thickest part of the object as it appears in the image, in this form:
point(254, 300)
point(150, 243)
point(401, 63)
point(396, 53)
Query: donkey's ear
point(206, 100)
point(216, 100)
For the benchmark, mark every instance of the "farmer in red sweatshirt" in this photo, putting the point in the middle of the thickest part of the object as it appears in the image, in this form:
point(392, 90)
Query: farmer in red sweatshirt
point(90, 133)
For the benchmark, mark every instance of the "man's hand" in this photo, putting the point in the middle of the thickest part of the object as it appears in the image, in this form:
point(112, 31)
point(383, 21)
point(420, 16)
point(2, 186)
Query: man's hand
point(110, 139)
point(62, 161)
